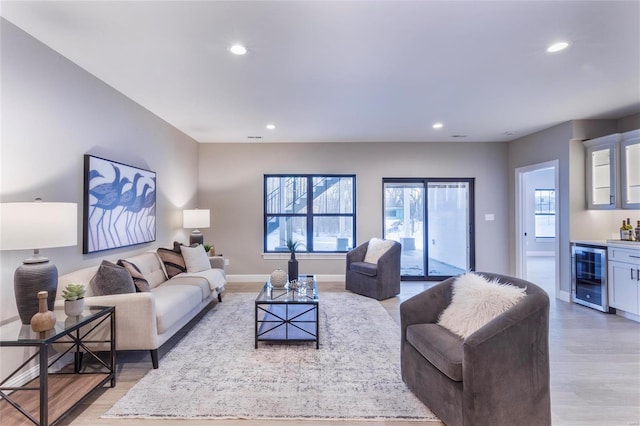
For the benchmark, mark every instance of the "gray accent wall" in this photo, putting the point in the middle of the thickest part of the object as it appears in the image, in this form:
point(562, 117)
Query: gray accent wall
point(231, 185)
point(564, 143)
point(54, 112)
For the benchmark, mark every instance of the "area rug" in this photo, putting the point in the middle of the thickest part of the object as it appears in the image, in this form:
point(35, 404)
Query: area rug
point(215, 372)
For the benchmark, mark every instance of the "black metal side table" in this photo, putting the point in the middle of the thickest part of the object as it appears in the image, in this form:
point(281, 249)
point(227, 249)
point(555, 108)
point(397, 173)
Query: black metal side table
point(48, 398)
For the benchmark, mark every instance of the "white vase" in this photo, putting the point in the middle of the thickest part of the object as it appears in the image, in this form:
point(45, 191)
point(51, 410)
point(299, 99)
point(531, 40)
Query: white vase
point(73, 307)
point(278, 278)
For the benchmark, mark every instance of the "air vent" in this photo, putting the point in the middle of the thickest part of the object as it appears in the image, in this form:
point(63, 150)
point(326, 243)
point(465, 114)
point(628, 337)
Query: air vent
point(459, 136)
point(254, 137)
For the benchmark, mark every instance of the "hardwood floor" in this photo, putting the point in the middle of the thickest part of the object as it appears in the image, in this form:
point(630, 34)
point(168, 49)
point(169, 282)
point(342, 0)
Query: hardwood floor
point(595, 370)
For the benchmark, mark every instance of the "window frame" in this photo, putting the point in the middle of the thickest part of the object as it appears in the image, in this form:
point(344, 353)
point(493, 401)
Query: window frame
point(545, 212)
point(309, 215)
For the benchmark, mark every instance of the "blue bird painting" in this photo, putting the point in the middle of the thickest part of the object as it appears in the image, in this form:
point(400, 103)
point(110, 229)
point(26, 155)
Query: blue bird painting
point(119, 205)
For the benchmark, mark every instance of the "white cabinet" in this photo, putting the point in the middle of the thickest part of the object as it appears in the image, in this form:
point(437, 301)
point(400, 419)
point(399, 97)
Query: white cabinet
point(602, 172)
point(630, 170)
point(624, 279)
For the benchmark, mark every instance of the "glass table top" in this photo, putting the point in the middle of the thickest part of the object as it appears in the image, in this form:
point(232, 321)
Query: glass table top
point(307, 292)
point(16, 332)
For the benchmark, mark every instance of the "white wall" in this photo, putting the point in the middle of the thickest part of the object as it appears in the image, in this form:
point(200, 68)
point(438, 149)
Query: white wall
point(233, 189)
point(53, 113)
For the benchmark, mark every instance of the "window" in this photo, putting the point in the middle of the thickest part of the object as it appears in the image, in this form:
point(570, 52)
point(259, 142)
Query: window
point(545, 213)
point(318, 211)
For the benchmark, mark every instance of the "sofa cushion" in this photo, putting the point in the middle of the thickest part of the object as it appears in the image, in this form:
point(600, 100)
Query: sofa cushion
point(215, 277)
point(138, 279)
point(174, 302)
point(111, 279)
point(365, 268)
point(195, 281)
point(476, 301)
point(376, 248)
point(173, 261)
point(151, 266)
point(196, 258)
point(439, 346)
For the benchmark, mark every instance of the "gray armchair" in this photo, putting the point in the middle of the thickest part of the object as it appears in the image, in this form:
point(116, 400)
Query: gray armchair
point(498, 375)
point(379, 281)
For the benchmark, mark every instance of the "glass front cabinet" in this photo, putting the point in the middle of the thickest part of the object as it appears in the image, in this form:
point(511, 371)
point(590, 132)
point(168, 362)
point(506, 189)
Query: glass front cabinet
point(602, 172)
point(613, 171)
point(630, 170)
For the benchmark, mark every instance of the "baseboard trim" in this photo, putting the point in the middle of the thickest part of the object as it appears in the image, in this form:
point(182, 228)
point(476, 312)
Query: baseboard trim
point(628, 315)
point(34, 371)
point(261, 278)
point(565, 296)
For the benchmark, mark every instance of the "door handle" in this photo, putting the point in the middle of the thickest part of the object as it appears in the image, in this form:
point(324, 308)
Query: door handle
point(632, 274)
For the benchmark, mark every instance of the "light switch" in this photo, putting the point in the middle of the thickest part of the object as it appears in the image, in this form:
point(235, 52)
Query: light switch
point(489, 216)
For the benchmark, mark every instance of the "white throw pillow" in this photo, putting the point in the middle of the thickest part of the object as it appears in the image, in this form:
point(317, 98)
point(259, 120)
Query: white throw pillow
point(476, 301)
point(195, 258)
point(376, 249)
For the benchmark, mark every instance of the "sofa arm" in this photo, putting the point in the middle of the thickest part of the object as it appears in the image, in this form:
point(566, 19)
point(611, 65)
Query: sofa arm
point(136, 323)
point(217, 262)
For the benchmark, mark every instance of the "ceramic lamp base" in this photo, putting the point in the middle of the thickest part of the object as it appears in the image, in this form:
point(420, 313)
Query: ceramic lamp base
point(28, 280)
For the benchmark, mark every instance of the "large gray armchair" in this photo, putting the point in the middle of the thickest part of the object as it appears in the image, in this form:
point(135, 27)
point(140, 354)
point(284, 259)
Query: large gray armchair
point(380, 280)
point(498, 375)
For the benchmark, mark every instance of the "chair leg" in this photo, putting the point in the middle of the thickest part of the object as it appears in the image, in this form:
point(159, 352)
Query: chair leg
point(154, 358)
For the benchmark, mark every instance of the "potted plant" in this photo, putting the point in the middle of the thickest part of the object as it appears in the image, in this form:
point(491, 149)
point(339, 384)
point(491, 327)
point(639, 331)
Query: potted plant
point(293, 263)
point(73, 296)
point(210, 249)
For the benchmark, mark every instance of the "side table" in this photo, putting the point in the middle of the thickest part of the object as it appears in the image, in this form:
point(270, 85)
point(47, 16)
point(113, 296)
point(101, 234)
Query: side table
point(49, 397)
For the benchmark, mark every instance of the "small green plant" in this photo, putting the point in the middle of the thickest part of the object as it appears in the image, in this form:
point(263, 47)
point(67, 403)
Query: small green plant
point(73, 292)
point(207, 247)
point(293, 245)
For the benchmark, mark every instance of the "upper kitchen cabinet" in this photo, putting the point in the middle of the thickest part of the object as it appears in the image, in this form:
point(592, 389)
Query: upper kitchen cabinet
point(630, 170)
point(602, 171)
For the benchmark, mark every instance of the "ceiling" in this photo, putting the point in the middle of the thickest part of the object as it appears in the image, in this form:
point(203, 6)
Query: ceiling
point(353, 71)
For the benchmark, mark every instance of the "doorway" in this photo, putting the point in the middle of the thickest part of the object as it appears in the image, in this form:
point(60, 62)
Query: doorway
point(537, 225)
point(433, 220)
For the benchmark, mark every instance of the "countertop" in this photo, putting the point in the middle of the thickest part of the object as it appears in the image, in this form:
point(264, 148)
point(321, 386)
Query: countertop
point(610, 243)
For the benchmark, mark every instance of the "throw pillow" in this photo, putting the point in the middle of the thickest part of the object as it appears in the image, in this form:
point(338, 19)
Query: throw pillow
point(111, 279)
point(376, 249)
point(196, 258)
point(142, 285)
point(173, 261)
point(476, 301)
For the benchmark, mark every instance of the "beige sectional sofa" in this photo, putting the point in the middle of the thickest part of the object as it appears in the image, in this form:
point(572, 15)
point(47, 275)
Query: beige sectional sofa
point(146, 320)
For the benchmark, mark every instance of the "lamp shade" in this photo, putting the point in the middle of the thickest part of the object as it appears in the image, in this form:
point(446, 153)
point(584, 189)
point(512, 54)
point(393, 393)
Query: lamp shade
point(197, 218)
point(37, 225)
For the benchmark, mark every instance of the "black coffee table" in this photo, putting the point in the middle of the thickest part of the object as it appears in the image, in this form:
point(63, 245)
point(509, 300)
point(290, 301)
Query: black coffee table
point(287, 314)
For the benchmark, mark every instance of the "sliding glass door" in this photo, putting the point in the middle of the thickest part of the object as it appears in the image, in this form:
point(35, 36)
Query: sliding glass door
point(433, 220)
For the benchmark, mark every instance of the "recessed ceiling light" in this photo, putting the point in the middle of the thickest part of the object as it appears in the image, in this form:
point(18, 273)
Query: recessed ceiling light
point(438, 126)
point(271, 126)
point(556, 47)
point(238, 49)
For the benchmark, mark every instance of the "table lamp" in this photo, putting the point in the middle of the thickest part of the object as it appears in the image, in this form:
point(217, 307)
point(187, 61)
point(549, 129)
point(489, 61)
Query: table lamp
point(36, 225)
point(196, 218)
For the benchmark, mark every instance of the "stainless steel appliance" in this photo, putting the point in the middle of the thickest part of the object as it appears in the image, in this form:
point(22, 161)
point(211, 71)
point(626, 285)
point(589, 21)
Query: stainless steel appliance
point(589, 276)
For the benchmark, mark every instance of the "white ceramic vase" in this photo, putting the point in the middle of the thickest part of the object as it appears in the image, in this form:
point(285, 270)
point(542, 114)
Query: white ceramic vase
point(278, 278)
point(73, 307)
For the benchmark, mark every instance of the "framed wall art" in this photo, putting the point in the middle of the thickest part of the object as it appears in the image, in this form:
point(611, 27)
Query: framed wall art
point(119, 205)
